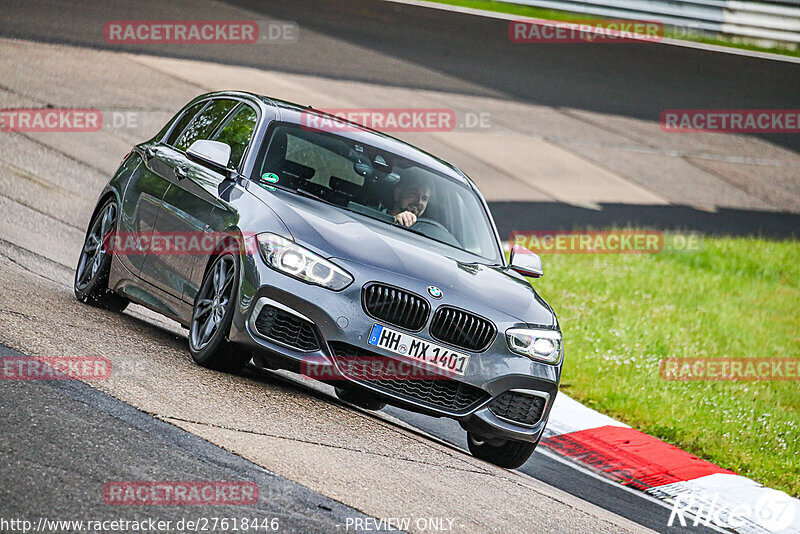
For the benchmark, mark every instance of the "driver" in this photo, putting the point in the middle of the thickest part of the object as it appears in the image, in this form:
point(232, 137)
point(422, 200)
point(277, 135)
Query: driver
point(410, 200)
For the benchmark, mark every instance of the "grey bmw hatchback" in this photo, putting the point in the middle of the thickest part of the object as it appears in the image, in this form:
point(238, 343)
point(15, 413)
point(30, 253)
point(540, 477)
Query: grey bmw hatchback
point(287, 238)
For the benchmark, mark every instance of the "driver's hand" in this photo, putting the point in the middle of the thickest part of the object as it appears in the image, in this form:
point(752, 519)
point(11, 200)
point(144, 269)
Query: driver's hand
point(405, 218)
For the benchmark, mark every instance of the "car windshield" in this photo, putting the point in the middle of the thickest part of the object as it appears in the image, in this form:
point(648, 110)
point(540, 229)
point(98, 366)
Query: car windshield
point(378, 184)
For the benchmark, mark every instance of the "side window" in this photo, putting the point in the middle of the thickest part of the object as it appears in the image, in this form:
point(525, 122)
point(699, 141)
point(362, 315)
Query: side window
point(184, 121)
point(205, 123)
point(237, 132)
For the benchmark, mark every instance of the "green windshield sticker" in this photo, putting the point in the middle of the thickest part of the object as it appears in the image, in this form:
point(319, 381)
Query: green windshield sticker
point(268, 187)
point(270, 177)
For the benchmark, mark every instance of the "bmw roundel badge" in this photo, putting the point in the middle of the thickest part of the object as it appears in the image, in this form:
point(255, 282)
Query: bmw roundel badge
point(435, 292)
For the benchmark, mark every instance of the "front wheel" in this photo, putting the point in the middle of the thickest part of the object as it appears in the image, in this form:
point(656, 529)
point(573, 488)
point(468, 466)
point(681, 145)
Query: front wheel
point(509, 454)
point(94, 264)
point(212, 317)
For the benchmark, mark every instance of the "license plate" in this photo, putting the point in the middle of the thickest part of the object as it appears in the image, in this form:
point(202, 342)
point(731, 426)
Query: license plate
point(418, 349)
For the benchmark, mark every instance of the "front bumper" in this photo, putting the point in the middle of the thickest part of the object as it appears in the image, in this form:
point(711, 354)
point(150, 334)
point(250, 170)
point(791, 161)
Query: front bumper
point(339, 320)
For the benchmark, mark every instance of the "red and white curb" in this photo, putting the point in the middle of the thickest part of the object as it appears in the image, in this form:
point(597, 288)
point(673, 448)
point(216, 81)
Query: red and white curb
point(698, 491)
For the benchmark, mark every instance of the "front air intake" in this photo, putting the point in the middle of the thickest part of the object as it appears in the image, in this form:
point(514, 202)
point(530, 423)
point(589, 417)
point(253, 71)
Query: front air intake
point(287, 329)
point(519, 407)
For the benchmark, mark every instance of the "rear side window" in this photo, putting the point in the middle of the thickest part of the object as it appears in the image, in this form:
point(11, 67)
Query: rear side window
point(205, 123)
point(184, 121)
point(237, 133)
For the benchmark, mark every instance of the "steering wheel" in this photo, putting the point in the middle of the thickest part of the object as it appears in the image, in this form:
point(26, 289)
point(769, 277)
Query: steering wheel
point(435, 230)
point(425, 221)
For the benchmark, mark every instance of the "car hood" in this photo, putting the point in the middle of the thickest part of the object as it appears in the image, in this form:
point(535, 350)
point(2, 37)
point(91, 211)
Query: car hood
point(354, 238)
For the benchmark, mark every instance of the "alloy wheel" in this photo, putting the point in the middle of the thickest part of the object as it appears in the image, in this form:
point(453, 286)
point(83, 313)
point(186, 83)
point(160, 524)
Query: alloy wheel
point(212, 302)
point(94, 248)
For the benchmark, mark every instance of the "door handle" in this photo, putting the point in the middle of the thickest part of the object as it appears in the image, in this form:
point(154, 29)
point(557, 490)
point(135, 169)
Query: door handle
point(181, 171)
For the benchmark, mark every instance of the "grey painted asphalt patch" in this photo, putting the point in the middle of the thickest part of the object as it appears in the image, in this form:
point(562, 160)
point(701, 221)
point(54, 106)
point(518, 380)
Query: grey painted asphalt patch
point(517, 210)
point(62, 441)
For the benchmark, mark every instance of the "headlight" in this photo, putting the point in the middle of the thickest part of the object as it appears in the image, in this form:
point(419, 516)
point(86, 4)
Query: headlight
point(290, 258)
point(542, 345)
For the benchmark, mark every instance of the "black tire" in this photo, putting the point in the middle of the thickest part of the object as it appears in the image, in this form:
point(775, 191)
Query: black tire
point(212, 316)
point(361, 398)
point(510, 454)
point(94, 265)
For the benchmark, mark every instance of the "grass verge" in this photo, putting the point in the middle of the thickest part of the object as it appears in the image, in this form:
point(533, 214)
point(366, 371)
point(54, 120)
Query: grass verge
point(736, 297)
point(566, 16)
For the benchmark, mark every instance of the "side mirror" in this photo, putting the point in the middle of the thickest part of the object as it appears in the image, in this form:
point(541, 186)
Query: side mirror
point(210, 152)
point(526, 262)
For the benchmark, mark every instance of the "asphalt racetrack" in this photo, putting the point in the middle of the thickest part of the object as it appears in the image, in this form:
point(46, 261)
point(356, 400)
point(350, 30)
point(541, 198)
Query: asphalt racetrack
point(574, 139)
